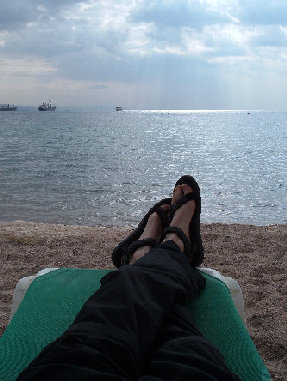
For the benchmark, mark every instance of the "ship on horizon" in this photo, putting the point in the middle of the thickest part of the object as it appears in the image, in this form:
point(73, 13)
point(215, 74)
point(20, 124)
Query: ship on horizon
point(47, 106)
point(8, 107)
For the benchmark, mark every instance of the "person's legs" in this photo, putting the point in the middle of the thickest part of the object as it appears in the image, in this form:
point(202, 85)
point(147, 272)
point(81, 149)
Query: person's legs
point(183, 353)
point(114, 333)
point(136, 319)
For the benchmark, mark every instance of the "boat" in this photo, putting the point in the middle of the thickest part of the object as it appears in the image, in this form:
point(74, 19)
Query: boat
point(119, 108)
point(8, 107)
point(47, 106)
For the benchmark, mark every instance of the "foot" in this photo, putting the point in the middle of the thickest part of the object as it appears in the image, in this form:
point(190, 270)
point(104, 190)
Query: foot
point(182, 216)
point(153, 229)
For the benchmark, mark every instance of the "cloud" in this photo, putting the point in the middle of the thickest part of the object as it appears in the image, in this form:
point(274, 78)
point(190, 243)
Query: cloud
point(177, 14)
point(98, 87)
point(181, 47)
point(16, 14)
point(259, 12)
point(271, 36)
point(20, 67)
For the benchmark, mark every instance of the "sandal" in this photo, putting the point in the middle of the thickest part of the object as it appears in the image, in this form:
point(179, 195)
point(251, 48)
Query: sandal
point(123, 252)
point(193, 248)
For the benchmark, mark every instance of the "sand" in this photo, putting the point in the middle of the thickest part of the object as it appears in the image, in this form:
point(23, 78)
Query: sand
point(255, 256)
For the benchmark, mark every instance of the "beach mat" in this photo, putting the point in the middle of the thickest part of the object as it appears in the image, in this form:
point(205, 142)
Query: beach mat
point(53, 300)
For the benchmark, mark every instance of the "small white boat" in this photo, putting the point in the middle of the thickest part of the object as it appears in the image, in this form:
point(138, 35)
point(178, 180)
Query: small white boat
point(47, 106)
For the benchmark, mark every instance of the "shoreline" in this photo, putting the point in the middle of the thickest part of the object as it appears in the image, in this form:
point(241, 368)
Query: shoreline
point(254, 255)
point(131, 226)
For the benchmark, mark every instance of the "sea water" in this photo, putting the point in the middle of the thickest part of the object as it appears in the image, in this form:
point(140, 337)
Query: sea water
point(108, 168)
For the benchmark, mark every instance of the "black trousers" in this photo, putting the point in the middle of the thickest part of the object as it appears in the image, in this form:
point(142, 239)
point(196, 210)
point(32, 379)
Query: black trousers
point(136, 327)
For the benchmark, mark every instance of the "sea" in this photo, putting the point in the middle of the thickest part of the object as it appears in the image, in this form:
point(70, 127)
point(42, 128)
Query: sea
point(107, 167)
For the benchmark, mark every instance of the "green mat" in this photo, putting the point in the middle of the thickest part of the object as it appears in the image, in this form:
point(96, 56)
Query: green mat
point(53, 300)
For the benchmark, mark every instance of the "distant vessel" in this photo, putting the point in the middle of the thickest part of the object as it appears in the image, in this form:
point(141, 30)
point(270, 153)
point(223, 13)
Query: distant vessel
point(47, 106)
point(119, 108)
point(8, 107)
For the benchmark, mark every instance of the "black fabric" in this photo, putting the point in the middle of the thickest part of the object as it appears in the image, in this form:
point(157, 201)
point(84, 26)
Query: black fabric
point(186, 243)
point(141, 242)
point(136, 326)
point(163, 215)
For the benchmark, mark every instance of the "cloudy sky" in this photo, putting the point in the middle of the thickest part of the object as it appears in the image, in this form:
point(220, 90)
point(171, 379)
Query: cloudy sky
point(155, 54)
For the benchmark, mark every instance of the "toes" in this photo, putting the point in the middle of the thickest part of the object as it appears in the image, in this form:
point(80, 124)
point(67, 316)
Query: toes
point(186, 189)
point(165, 207)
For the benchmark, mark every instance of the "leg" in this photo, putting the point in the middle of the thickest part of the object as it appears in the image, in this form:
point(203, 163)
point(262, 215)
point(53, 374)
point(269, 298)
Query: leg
point(114, 334)
point(122, 324)
point(182, 352)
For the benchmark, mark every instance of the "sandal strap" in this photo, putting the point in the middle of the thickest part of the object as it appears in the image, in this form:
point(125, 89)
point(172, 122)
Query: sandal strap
point(119, 254)
point(164, 216)
point(134, 246)
point(161, 213)
point(183, 200)
point(141, 242)
point(179, 232)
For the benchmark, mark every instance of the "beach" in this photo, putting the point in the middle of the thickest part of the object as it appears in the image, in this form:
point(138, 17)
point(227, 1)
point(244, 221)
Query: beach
point(254, 255)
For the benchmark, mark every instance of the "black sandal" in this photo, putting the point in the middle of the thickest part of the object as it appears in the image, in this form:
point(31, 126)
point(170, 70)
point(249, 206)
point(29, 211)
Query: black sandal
point(193, 247)
point(122, 254)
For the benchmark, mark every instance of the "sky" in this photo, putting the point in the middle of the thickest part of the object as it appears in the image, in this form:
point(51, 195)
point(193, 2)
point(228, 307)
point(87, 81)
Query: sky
point(155, 54)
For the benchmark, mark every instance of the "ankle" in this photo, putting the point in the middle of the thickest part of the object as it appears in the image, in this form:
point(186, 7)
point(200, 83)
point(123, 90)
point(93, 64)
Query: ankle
point(139, 253)
point(174, 237)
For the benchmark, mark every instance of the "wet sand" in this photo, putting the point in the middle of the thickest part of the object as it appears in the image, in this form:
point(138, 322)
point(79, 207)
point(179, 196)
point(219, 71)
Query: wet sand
point(255, 256)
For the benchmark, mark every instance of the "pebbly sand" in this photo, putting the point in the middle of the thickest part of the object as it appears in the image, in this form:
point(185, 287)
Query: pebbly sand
point(255, 256)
